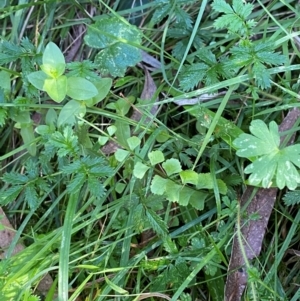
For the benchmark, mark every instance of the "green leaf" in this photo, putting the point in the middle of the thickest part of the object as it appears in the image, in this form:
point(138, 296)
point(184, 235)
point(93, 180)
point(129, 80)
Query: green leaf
point(156, 222)
point(272, 161)
point(10, 195)
point(121, 154)
point(80, 89)
point(53, 61)
point(5, 81)
point(123, 132)
point(133, 142)
point(163, 136)
point(156, 157)
point(37, 79)
point(103, 86)
point(292, 198)
point(172, 166)
point(197, 199)
point(263, 141)
point(173, 193)
point(189, 177)
point(115, 59)
point(235, 15)
point(158, 185)
point(56, 88)
point(111, 129)
point(139, 170)
point(115, 38)
point(27, 134)
point(69, 112)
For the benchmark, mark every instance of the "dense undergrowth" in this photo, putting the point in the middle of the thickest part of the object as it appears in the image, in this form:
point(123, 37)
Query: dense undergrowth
point(156, 218)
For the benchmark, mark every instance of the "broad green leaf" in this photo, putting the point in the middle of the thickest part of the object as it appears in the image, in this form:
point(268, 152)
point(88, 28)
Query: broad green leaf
point(173, 191)
point(265, 140)
point(80, 89)
point(111, 129)
point(69, 112)
point(53, 61)
point(172, 166)
point(120, 187)
point(156, 157)
point(115, 59)
point(197, 199)
point(121, 154)
point(274, 164)
point(205, 181)
point(158, 185)
point(189, 177)
point(103, 86)
point(133, 142)
point(51, 117)
point(56, 88)
point(43, 129)
point(185, 194)
point(102, 140)
point(27, 134)
point(163, 136)
point(37, 79)
point(287, 174)
point(115, 38)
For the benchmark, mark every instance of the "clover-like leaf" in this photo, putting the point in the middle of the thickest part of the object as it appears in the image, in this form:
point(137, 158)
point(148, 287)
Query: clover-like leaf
point(263, 141)
point(273, 164)
point(116, 39)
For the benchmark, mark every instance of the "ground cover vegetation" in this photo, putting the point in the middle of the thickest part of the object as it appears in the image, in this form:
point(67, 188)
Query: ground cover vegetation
point(149, 150)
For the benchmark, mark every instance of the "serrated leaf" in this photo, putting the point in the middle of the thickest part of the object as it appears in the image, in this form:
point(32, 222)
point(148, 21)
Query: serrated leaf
point(139, 170)
point(189, 177)
point(173, 192)
point(10, 194)
point(292, 198)
point(31, 196)
point(158, 185)
point(172, 166)
point(156, 222)
point(133, 142)
point(156, 157)
point(95, 186)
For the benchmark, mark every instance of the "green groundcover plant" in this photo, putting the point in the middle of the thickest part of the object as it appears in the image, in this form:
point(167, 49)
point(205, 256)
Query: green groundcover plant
point(156, 218)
